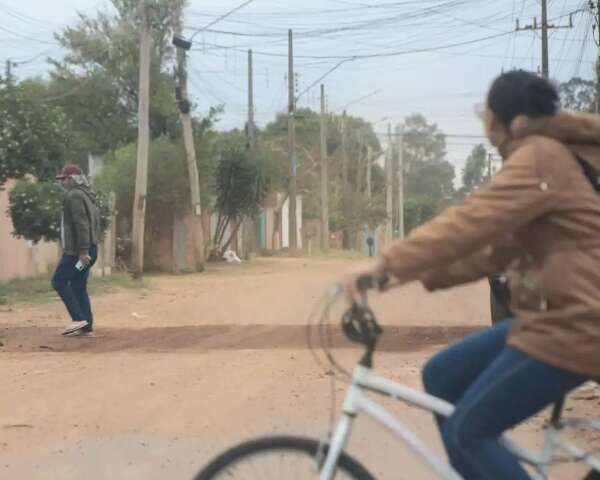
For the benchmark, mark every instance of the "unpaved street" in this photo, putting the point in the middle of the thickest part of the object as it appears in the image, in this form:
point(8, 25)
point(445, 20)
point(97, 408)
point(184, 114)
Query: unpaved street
point(195, 363)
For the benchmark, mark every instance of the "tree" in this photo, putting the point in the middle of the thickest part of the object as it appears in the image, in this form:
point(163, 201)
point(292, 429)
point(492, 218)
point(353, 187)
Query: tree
point(241, 186)
point(36, 208)
point(308, 158)
point(353, 211)
point(474, 172)
point(578, 95)
point(428, 172)
point(168, 192)
point(96, 83)
point(33, 137)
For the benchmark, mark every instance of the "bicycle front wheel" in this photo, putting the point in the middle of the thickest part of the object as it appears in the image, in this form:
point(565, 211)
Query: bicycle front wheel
point(277, 458)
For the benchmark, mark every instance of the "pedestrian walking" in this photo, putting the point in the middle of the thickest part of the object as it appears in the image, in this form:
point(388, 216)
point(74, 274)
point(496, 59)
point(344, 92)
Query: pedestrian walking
point(80, 234)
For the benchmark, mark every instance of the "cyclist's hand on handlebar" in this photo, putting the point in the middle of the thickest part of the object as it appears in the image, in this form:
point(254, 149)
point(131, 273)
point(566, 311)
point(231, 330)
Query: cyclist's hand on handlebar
point(371, 276)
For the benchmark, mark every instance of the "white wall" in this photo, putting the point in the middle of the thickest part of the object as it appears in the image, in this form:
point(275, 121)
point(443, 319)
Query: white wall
point(285, 222)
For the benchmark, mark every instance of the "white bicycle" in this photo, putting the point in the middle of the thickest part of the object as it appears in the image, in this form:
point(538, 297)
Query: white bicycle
point(284, 457)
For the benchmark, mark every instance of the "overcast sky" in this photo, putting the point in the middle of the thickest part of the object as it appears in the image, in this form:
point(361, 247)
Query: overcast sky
point(436, 57)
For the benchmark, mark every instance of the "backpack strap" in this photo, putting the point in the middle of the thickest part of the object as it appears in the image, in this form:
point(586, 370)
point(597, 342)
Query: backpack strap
point(591, 172)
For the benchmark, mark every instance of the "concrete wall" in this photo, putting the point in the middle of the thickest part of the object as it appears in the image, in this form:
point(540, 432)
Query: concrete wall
point(285, 234)
point(20, 258)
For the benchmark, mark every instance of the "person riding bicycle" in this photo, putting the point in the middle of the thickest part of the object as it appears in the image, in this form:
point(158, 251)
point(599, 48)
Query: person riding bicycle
point(538, 220)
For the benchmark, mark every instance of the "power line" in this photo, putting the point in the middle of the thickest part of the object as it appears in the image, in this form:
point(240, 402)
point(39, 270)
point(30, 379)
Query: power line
point(374, 55)
point(322, 77)
point(222, 17)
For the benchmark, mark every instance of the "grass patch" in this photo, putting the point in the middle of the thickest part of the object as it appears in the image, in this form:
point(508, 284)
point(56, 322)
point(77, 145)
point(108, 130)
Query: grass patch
point(39, 290)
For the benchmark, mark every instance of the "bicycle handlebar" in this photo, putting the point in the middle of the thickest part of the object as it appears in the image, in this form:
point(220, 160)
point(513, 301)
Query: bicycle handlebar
point(372, 282)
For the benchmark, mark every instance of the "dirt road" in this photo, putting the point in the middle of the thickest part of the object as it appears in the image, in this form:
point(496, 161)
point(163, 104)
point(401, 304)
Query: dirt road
point(195, 363)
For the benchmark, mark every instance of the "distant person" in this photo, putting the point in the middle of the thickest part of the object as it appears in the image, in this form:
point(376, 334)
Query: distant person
point(80, 234)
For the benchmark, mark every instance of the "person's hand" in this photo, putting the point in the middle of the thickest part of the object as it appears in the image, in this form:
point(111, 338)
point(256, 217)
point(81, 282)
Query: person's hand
point(85, 259)
point(352, 290)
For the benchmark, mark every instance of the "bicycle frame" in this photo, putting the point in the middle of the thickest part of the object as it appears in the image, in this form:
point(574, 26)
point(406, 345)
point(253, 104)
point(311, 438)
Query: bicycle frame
point(357, 401)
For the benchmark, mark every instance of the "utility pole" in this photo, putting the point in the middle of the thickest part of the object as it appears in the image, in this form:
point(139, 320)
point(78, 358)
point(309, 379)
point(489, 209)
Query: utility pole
point(400, 147)
point(545, 67)
point(324, 178)
point(9, 65)
point(250, 101)
point(359, 172)
point(251, 238)
point(388, 189)
point(344, 153)
point(369, 165)
point(345, 185)
point(489, 166)
point(597, 55)
point(293, 232)
point(188, 140)
point(544, 27)
point(141, 179)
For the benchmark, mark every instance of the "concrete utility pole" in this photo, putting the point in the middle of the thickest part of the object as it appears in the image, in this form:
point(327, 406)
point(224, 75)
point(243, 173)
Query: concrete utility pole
point(369, 165)
point(344, 153)
point(9, 65)
point(324, 178)
point(400, 148)
point(545, 66)
point(359, 166)
point(388, 189)
point(188, 140)
point(345, 184)
point(293, 231)
point(251, 127)
point(544, 27)
point(141, 179)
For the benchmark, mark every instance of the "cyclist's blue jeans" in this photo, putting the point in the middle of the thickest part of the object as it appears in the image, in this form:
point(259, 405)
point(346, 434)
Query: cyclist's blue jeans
point(494, 388)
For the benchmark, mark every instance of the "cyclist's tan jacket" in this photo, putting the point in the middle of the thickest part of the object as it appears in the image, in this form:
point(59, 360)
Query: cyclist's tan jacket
point(540, 220)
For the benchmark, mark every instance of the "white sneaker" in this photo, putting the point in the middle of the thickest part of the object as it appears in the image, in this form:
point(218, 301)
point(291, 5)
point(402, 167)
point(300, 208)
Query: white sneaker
point(75, 326)
point(81, 333)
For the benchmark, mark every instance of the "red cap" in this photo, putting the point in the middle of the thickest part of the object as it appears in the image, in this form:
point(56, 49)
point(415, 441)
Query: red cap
point(68, 170)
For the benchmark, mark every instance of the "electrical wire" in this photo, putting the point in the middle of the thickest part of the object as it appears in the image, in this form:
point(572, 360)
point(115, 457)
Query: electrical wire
point(222, 17)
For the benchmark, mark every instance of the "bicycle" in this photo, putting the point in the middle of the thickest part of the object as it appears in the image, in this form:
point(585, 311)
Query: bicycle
point(325, 459)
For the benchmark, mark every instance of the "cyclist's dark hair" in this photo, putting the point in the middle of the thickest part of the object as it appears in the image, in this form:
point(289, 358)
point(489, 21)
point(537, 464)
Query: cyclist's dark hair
point(519, 92)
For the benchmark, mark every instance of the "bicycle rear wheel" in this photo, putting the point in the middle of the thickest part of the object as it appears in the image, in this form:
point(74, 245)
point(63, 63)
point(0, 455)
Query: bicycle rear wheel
point(277, 458)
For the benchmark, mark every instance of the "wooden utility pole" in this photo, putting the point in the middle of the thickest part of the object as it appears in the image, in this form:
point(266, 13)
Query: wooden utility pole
point(324, 178)
point(9, 65)
point(293, 230)
point(388, 188)
point(489, 167)
point(400, 147)
point(188, 141)
point(250, 101)
point(141, 179)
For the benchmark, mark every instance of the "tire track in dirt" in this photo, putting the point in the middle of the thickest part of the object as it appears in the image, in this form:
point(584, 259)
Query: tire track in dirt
point(217, 337)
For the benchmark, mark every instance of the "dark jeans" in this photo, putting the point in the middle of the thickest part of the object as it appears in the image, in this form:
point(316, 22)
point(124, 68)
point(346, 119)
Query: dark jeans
point(494, 388)
point(71, 285)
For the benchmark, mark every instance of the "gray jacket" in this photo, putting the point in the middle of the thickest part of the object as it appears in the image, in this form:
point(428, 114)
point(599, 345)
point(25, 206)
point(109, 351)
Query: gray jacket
point(80, 225)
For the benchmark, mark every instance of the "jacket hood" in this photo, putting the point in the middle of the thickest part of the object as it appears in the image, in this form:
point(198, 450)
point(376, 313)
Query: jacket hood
point(580, 132)
point(567, 128)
